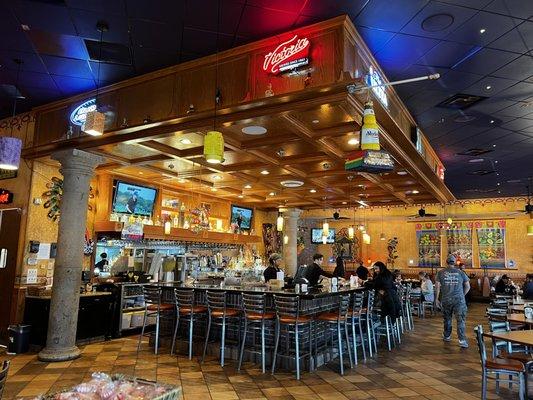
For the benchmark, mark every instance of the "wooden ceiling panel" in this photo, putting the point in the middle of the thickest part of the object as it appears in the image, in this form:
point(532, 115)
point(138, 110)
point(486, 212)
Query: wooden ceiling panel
point(129, 151)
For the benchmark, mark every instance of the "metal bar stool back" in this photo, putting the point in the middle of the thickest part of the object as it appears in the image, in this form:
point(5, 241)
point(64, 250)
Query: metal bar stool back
point(255, 318)
point(187, 311)
point(355, 318)
point(153, 307)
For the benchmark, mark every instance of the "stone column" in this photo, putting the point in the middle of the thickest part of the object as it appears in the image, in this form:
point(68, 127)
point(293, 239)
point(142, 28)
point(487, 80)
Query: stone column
point(77, 168)
point(290, 229)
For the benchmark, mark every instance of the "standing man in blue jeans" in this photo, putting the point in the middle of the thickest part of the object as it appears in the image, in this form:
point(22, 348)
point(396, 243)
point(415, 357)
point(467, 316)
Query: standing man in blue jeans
point(452, 284)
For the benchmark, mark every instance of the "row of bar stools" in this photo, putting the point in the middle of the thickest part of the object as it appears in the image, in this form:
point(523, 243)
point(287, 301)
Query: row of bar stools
point(255, 318)
point(153, 307)
point(219, 314)
point(187, 311)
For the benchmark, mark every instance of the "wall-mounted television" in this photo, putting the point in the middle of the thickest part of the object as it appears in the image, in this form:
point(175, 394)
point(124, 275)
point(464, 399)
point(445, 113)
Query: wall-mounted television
point(242, 216)
point(316, 236)
point(133, 199)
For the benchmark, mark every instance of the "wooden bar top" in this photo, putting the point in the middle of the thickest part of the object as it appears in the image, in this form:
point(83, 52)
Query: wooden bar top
point(89, 294)
point(311, 293)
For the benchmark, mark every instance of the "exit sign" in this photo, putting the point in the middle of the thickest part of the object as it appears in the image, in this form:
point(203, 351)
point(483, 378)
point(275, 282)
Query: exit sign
point(6, 197)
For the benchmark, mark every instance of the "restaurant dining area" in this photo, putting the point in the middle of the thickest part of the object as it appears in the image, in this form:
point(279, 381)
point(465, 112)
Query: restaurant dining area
point(266, 200)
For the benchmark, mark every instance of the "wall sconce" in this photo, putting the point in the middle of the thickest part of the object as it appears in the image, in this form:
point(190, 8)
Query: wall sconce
point(279, 223)
point(366, 238)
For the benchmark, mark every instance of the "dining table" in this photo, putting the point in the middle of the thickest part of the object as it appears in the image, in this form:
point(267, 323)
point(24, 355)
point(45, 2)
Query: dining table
point(519, 319)
point(524, 338)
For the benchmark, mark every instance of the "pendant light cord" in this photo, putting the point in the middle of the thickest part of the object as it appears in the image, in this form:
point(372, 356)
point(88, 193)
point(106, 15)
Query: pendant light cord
point(217, 94)
point(16, 91)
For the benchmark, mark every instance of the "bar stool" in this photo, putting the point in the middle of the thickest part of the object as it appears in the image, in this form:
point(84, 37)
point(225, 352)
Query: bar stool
point(255, 318)
point(368, 319)
point(288, 317)
point(188, 312)
point(154, 307)
point(355, 318)
point(219, 315)
point(337, 320)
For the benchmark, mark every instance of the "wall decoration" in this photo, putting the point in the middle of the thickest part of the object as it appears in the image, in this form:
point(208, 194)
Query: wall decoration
point(459, 239)
point(200, 218)
point(392, 245)
point(271, 239)
point(428, 241)
point(491, 243)
point(343, 245)
point(52, 198)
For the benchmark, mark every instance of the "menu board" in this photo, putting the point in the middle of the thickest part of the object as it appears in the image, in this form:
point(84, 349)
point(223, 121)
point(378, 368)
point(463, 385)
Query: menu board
point(460, 244)
point(491, 243)
point(428, 248)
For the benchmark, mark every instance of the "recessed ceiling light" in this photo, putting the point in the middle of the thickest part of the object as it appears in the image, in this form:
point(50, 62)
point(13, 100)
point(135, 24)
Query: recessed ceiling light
point(264, 172)
point(344, 202)
point(248, 186)
point(482, 30)
point(326, 165)
point(272, 194)
point(402, 172)
point(141, 173)
point(214, 189)
point(415, 191)
point(315, 121)
point(312, 190)
point(353, 141)
point(240, 196)
point(476, 160)
point(491, 121)
point(493, 145)
point(185, 141)
point(254, 130)
point(181, 180)
point(498, 184)
point(291, 183)
point(488, 87)
point(217, 177)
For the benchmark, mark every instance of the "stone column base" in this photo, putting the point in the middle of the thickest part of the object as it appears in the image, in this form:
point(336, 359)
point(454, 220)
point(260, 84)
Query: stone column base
point(63, 354)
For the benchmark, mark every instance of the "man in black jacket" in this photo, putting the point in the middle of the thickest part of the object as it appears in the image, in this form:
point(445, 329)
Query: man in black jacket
point(314, 271)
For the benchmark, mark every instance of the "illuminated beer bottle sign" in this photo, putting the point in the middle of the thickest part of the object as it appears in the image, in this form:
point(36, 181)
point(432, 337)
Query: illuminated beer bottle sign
point(6, 197)
point(373, 161)
point(373, 79)
point(78, 116)
point(287, 56)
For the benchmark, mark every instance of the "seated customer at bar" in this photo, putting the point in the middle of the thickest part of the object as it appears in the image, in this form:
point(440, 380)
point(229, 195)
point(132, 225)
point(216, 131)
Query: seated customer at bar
point(362, 272)
point(386, 290)
point(274, 262)
point(314, 271)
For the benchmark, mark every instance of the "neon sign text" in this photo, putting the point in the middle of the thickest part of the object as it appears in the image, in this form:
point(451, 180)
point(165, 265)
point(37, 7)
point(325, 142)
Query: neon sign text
point(78, 116)
point(288, 55)
point(374, 79)
point(6, 197)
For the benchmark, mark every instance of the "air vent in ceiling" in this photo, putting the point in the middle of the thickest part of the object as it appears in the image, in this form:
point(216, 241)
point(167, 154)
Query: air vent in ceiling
point(437, 22)
point(474, 152)
point(481, 172)
point(115, 53)
point(461, 101)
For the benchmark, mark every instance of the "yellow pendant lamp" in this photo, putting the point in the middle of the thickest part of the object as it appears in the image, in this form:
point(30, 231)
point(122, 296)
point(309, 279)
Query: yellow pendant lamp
point(351, 232)
point(214, 147)
point(530, 230)
point(325, 229)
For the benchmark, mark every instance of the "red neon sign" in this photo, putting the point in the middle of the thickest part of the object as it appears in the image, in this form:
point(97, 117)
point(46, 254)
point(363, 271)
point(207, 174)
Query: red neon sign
point(288, 55)
point(6, 197)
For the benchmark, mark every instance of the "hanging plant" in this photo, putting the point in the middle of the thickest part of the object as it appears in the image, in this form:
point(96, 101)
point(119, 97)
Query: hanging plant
point(392, 244)
point(52, 198)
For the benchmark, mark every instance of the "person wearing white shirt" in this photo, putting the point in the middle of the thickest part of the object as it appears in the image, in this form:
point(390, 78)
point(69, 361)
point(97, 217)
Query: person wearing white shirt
point(427, 287)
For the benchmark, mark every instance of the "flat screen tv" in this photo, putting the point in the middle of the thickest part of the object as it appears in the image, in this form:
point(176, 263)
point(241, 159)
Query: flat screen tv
point(133, 199)
point(242, 216)
point(316, 236)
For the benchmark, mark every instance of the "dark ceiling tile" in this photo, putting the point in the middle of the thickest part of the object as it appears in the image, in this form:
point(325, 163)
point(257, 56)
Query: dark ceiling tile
point(432, 116)
point(147, 60)
point(204, 42)
point(517, 110)
point(493, 27)
point(389, 15)
point(58, 45)
point(518, 69)
point(30, 61)
point(331, 8)
point(85, 22)
point(426, 99)
point(67, 67)
point(170, 11)
point(405, 48)
point(45, 17)
point(203, 14)
point(293, 6)
point(486, 61)
point(494, 84)
point(477, 4)
point(156, 35)
point(393, 69)
point(455, 80)
point(492, 105)
point(38, 95)
point(375, 39)
point(459, 16)
point(518, 124)
point(106, 6)
point(519, 40)
point(258, 22)
point(514, 8)
point(36, 80)
point(111, 72)
point(445, 54)
point(519, 92)
point(70, 86)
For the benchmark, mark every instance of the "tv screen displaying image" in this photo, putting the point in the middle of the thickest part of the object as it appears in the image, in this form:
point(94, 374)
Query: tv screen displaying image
point(242, 216)
point(316, 236)
point(133, 199)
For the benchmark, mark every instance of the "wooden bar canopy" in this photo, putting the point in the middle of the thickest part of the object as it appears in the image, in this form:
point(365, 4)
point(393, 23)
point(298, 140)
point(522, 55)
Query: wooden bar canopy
point(155, 125)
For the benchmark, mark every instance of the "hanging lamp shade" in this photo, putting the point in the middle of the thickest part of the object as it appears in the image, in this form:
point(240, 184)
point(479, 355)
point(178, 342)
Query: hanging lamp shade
point(94, 123)
point(10, 148)
point(285, 239)
point(530, 230)
point(279, 223)
point(382, 236)
point(366, 238)
point(214, 147)
point(351, 232)
point(325, 229)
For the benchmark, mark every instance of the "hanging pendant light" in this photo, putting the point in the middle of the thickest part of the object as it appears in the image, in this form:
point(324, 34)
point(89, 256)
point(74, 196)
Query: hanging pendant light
point(325, 229)
point(530, 230)
point(11, 147)
point(366, 238)
point(351, 232)
point(214, 147)
point(285, 239)
point(324, 239)
point(279, 223)
point(95, 120)
point(382, 237)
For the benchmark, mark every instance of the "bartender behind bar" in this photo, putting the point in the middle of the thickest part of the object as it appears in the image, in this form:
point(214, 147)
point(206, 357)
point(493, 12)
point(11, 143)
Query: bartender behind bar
point(274, 262)
point(315, 271)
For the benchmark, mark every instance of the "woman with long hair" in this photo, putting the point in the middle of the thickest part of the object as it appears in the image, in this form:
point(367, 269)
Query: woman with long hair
point(386, 289)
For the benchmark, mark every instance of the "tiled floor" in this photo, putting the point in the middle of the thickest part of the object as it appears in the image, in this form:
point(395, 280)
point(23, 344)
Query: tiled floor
point(423, 368)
